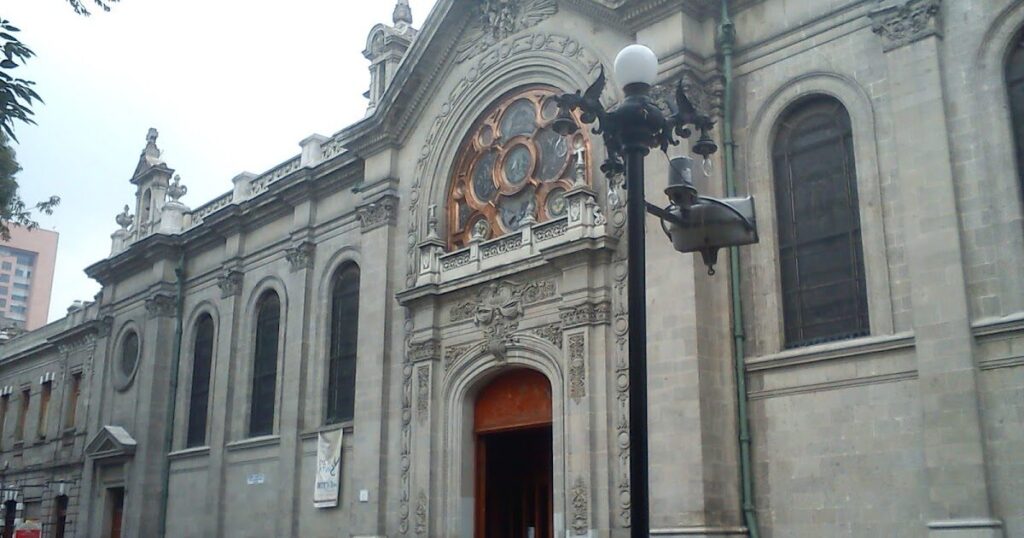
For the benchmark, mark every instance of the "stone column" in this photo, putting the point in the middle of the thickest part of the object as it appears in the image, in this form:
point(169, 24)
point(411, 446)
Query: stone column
point(959, 504)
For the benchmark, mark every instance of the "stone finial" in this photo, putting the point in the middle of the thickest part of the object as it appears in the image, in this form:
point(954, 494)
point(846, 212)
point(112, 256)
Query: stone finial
point(176, 190)
point(151, 150)
point(124, 219)
point(432, 222)
point(402, 15)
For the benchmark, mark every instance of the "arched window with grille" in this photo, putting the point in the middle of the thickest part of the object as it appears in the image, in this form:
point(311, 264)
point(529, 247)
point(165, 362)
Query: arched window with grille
point(1015, 86)
point(821, 258)
point(344, 333)
point(264, 371)
point(199, 396)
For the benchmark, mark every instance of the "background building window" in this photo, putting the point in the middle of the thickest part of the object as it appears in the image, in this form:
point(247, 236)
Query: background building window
point(19, 428)
point(1015, 85)
point(60, 516)
point(341, 382)
point(824, 295)
point(44, 408)
point(198, 404)
point(264, 374)
point(512, 166)
point(74, 393)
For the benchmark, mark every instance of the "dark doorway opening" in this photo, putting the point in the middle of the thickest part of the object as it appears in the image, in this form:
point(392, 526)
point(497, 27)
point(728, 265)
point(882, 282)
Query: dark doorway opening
point(10, 512)
point(115, 497)
point(517, 483)
point(512, 424)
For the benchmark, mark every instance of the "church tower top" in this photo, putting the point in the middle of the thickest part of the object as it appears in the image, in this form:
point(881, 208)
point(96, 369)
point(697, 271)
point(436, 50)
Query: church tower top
point(402, 16)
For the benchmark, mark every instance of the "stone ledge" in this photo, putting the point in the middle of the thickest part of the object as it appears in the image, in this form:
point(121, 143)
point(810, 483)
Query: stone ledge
point(843, 349)
point(187, 453)
point(254, 442)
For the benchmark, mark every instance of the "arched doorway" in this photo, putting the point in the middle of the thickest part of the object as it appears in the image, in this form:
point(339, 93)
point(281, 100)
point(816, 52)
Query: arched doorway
point(512, 433)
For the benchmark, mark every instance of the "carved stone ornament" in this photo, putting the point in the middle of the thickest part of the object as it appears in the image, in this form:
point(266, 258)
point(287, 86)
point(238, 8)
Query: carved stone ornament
point(905, 22)
point(84, 342)
point(577, 368)
point(499, 292)
point(423, 392)
point(452, 355)
point(104, 326)
point(586, 314)
point(379, 213)
point(498, 19)
point(497, 307)
point(300, 256)
point(421, 513)
point(707, 93)
point(552, 333)
point(405, 459)
point(161, 306)
point(580, 508)
point(230, 283)
point(424, 351)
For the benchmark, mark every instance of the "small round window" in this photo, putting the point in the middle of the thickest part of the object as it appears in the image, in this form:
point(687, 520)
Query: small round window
point(129, 353)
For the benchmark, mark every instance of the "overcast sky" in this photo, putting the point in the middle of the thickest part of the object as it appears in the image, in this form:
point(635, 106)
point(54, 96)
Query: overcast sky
point(232, 86)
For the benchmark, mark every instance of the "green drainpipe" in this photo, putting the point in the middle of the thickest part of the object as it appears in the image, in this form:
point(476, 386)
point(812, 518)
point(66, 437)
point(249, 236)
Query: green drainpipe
point(727, 36)
point(179, 312)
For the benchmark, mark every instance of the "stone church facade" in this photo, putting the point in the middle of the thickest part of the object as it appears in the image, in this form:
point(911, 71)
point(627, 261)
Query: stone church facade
point(396, 280)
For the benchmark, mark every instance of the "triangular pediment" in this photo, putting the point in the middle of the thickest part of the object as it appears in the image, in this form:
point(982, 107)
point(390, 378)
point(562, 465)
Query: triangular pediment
point(110, 442)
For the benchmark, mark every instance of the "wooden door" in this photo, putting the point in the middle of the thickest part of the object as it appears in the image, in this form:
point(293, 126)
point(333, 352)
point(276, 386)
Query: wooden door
point(116, 511)
point(512, 425)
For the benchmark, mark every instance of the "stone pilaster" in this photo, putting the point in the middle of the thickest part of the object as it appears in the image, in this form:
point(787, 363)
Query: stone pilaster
point(958, 494)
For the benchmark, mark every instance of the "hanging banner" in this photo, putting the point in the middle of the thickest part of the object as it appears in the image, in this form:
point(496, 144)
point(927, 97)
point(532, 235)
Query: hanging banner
point(328, 469)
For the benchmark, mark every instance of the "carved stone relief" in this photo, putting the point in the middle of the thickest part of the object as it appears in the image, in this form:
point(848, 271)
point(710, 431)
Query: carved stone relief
point(707, 93)
point(551, 332)
point(423, 392)
point(498, 19)
point(497, 308)
point(379, 213)
point(580, 508)
point(230, 283)
point(577, 368)
point(902, 23)
point(405, 456)
point(452, 355)
point(300, 256)
point(161, 306)
point(421, 513)
point(424, 351)
point(585, 314)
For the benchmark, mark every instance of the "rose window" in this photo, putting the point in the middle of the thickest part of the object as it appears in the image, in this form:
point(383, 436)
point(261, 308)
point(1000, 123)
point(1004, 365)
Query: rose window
point(513, 169)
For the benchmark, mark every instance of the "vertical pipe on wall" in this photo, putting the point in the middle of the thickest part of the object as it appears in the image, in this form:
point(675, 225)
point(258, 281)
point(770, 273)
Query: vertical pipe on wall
point(727, 41)
point(172, 397)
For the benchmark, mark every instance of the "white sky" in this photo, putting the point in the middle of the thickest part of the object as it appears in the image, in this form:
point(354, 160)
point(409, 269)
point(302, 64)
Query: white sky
point(232, 86)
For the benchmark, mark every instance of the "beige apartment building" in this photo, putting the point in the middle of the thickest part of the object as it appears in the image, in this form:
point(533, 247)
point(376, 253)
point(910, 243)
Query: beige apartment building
point(27, 263)
point(416, 326)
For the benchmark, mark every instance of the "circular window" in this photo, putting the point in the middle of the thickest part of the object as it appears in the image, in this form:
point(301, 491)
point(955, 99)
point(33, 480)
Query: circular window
point(511, 166)
point(127, 360)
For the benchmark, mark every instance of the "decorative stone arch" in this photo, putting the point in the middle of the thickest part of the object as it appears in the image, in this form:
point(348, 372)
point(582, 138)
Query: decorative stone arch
point(472, 95)
point(247, 348)
point(1002, 190)
point(766, 284)
point(320, 346)
point(461, 386)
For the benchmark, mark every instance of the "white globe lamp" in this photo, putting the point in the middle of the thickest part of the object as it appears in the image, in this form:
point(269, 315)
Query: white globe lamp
point(636, 64)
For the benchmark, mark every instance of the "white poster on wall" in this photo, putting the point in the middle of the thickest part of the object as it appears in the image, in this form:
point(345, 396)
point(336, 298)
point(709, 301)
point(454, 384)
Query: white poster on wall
point(328, 469)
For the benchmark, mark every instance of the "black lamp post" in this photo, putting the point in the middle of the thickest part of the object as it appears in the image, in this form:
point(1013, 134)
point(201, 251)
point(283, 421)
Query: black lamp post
point(629, 131)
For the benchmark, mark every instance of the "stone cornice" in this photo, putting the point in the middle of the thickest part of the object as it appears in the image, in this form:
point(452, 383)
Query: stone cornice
point(903, 22)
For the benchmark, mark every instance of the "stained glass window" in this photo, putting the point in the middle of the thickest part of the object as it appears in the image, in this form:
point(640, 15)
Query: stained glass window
point(1015, 85)
point(512, 166)
point(824, 295)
